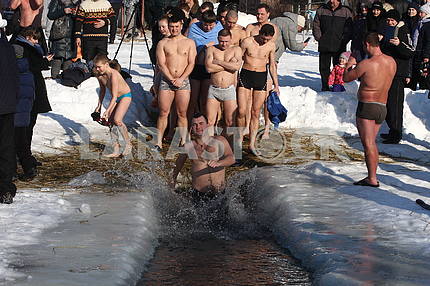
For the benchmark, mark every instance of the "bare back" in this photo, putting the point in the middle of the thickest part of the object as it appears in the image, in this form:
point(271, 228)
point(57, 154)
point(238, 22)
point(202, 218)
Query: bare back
point(29, 10)
point(225, 78)
point(376, 75)
point(174, 53)
point(256, 56)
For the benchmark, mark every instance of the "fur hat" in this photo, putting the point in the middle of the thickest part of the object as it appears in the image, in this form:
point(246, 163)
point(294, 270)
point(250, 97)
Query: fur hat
point(301, 21)
point(3, 22)
point(393, 14)
point(345, 55)
point(425, 8)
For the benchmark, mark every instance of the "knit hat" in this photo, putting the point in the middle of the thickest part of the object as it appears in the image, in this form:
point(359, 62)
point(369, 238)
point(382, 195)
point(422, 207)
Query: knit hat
point(3, 22)
point(301, 21)
point(425, 8)
point(345, 55)
point(377, 5)
point(414, 5)
point(393, 14)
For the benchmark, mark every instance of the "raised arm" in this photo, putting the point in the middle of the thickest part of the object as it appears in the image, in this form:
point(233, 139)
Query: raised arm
point(161, 61)
point(351, 73)
point(210, 66)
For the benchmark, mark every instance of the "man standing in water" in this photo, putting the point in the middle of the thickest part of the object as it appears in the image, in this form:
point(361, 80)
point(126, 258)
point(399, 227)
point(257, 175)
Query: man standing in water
point(176, 55)
point(222, 61)
point(209, 155)
point(258, 51)
point(372, 100)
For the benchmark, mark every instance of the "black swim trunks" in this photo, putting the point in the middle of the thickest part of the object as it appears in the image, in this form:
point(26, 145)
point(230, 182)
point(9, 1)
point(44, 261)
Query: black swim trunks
point(199, 73)
point(372, 111)
point(253, 80)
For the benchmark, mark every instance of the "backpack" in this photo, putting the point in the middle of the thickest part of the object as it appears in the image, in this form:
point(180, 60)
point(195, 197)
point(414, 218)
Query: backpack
point(75, 75)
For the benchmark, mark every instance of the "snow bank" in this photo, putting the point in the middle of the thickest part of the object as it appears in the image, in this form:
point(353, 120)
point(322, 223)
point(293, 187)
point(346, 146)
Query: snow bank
point(349, 235)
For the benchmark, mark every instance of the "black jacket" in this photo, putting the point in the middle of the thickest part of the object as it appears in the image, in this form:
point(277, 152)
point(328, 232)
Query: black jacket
point(61, 41)
point(402, 53)
point(376, 24)
point(37, 64)
point(332, 29)
point(422, 49)
point(9, 81)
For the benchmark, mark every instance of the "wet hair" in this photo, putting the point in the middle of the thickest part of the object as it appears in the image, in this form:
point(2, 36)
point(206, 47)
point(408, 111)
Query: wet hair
point(198, 115)
point(224, 33)
point(30, 32)
point(267, 30)
point(265, 6)
point(372, 39)
point(207, 5)
point(209, 17)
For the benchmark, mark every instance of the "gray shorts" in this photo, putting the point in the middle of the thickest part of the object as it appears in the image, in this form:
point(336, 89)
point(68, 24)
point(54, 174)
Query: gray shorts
point(167, 85)
point(372, 111)
point(222, 94)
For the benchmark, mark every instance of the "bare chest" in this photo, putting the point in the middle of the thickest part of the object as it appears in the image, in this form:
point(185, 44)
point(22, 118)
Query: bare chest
point(176, 49)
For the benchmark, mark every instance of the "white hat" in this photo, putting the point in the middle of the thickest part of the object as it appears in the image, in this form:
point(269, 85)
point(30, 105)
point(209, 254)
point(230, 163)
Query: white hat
point(425, 8)
point(3, 23)
point(301, 21)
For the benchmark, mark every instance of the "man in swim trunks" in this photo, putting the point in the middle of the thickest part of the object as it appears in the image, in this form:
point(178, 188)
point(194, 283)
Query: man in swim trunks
point(372, 98)
point(222, 61)
point(258, 50)
point(209, 155)
point(204, 34)
point(238, 32)
point(111, 79)
point(262, 15)
point(175, 58)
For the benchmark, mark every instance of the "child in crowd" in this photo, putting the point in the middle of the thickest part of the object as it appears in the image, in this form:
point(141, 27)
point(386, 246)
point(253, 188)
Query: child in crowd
point(335, 80)
point(109, 77)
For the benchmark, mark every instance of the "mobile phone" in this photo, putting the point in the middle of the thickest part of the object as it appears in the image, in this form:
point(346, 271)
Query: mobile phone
point(307, 40)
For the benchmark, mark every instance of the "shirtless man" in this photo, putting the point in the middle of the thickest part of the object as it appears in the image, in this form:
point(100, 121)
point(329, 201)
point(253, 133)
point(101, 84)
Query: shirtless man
point(263, 14)
point(237, 31)
point(209, 156)
point(111, 79)
point(29, 10)
point(258, 51)
point(175, 58)
point(372, 99)
point(222, 61)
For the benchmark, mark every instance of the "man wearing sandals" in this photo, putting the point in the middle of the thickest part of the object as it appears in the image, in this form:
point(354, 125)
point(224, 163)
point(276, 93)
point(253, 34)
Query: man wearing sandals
point(372, 99)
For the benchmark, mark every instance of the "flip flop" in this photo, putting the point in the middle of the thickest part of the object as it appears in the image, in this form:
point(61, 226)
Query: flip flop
point(365, 183)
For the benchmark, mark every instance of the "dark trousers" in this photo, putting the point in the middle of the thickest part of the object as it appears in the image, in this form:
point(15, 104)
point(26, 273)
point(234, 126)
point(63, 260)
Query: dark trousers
point(394, 119)
point(325, 60)
point(117, 8)
point(91, 48)
point(7, 154)
point(23, 138)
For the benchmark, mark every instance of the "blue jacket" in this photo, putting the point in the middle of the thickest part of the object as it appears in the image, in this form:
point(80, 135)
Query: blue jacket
point(26, 94)
point(277, 112)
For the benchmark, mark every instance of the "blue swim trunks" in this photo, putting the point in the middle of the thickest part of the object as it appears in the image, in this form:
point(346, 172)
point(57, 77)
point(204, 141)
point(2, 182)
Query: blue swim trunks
point(122, 96)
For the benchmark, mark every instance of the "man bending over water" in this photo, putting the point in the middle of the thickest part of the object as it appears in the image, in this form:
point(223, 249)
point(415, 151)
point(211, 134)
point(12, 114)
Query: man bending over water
point(209, 156)
point(372, 99)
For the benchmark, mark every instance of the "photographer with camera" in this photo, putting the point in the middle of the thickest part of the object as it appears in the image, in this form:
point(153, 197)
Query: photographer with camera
point(396, 42)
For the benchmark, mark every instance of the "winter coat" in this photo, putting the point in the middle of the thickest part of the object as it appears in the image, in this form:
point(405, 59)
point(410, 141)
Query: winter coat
point(62, 44)
point(332, 29)
point(402, 53)
point(9, 83)
point(287, 25)
point(336, 75)
point(26, 89)
point(400, 5)
point(422, 48)
point(376, 24)
point(37, 63)
point(412, 23)
point(359, 28)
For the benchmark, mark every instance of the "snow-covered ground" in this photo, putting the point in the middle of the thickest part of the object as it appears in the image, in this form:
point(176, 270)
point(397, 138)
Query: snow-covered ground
point(346, 234)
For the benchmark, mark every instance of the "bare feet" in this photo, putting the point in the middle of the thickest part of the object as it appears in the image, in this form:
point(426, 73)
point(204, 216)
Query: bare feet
point(266, 132)
point(127, 150)
point(115, 153)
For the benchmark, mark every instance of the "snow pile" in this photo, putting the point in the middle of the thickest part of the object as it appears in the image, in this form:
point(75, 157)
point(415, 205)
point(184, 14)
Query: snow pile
point(346, 234)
